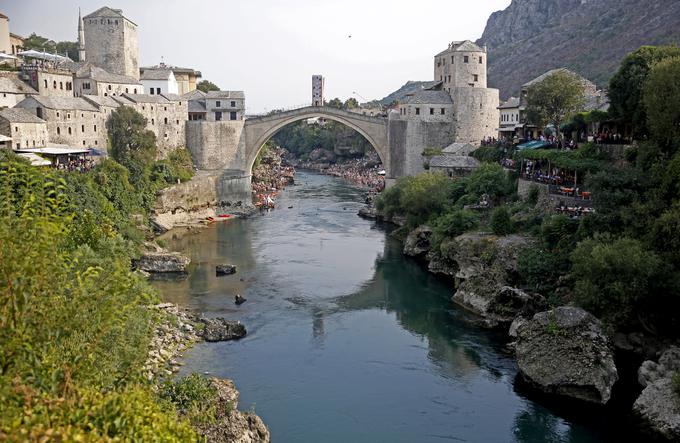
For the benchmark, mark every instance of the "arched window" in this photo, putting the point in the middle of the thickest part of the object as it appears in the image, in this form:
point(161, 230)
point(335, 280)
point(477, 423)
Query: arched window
point(54, 84)
point(58, 130)
point(45, 82)
point(165, 120)
point(61, 85)
point(69, 130)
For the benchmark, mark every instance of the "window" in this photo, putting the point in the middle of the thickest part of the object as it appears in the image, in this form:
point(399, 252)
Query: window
point(83, 142)
point(233, 104)
point(165, 120)
point(466, 59)
point(135, 90)
point(449, 79)
point(218, 104)
point(38, 112)
point(442, 111)
point(82, 115)
point(480, 60)
point(232, 115)
point(475, 77)
point(165, 108)
point(178, 122)
point(95, 128)
point(68, 115)
point(158, 91)
point(58, 130)
point(218, 116)
point(152, 107)
point(96, 142)
point(109, 87)
point(54, 84)
point(451, 59)
point(82, 128)
point(431, 111)
point(16, 129)
point(18, 145)
point(69, 130)
point(151, 91)
point(126, 90)
point(153, 122)
point(45, 82)
point(417, 111)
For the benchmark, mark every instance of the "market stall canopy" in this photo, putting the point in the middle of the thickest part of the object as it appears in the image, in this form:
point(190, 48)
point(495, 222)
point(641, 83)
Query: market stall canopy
point(4, 56)
point(55, 150)
point(4, 138)
point(32, 53)
point(536, 144)
point(35, 159)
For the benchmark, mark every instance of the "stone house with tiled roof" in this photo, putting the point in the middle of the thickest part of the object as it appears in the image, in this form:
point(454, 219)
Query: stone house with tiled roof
point(24, 128)
point(93, 80)
point(13, 90)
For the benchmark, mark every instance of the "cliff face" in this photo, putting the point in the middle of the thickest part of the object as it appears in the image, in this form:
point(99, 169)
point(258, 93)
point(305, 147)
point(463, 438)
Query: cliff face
point(590, 37)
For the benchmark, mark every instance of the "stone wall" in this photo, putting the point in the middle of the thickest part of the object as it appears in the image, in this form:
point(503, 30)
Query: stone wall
point(167, 122)
point(476, 113)
point(111, 43)
point(217, 145)
point(408, 138)
point(25, 135)
point(53, 84)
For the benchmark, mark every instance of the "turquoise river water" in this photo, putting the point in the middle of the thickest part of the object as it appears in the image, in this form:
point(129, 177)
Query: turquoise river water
point(350, 341)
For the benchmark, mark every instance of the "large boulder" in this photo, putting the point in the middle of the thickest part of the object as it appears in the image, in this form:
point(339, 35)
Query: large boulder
point(163, 262)
point(232, 425)
point(659, 404)
point(486, 272)
point(565, 352)
point(417, 243)
point(219, 329)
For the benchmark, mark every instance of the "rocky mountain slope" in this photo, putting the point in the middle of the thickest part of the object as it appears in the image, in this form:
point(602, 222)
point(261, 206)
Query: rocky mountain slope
point(590, 37)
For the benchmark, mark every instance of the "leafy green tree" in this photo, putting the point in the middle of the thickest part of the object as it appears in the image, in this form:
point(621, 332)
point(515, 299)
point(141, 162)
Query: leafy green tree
point(554, 99)
point(40, 43)
point(616, 278)
point(130, 140)
point(661, 97)
point(453, 224)
point(351, 103)
point(335, 103)
point(207, 86)
point(626, 86)
point(490, 179)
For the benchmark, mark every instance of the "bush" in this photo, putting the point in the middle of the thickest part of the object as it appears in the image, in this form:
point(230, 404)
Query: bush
point(616, 278)
point(489, 179)
point(453, 224)
point(501, 224)
point(194, 396)
point(489, 154)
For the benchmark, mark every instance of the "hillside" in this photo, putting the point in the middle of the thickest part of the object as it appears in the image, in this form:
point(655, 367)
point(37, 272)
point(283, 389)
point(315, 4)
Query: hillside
point(590, 37)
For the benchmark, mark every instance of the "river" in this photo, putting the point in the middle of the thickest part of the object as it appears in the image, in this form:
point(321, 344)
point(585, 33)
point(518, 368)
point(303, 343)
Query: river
point(350, 341)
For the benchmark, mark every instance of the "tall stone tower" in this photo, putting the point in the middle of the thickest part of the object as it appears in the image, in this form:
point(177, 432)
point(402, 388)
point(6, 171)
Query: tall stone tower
point(111, 42)
point(81, 38)
point(317, 90)
point(461, 71)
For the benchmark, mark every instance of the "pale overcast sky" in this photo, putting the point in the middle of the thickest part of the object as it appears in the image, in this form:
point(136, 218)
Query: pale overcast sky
point(271, 48)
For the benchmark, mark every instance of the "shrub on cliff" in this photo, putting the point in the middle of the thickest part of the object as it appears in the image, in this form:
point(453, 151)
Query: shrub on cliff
point(500, 223)
point(453, 224)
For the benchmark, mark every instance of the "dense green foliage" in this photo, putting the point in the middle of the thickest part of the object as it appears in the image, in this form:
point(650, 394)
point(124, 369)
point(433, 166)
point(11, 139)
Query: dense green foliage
point(661, 96)
point(302, 138)
point(500, 223)
point(626, 86)
point(193, 397)
point(207, 86)
point(74, 327)
point(586, 159)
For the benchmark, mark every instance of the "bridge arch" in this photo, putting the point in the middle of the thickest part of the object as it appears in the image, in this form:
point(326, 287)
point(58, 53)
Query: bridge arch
point(260, 129)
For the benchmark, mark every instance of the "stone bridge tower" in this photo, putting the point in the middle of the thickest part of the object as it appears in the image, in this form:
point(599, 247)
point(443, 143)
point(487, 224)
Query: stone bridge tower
point(111, 42)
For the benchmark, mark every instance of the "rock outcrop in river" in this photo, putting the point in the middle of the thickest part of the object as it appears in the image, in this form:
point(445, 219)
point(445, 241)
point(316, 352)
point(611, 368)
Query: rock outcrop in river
point(486, 269)
point(659, 404)
point(163, 262)
point(565, 352)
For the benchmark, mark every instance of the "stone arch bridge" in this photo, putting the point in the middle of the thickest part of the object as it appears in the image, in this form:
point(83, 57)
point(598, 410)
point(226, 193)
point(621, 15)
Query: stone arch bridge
point(229, 148)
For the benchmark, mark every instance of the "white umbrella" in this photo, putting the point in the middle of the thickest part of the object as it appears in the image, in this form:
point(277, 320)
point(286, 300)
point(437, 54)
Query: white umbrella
point(4, 56)
point(44, 56)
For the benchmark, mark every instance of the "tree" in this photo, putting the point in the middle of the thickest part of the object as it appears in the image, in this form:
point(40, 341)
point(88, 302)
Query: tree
point(335, 103)
point(661, 96)
point(207, 86)
point(555, 98)
point(626, 86)
point(351, 103)
point(130, 140)
point(501, 224)
point(40, 43)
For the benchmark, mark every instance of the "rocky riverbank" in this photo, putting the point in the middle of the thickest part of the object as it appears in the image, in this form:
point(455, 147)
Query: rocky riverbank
point(561, 351)
point(177, 330)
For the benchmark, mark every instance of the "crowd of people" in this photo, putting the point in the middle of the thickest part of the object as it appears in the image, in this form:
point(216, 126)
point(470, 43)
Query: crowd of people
point(270, 176)
point(359, 171)
point(609, 138)
point(80, 164)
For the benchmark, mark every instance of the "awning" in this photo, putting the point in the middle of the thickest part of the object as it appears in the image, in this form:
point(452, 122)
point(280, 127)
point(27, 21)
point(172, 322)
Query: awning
point(536, 144)
point(32, 53)
point(4, 56)
point(35, 159)
point(97, 152)
point(53, 150)
point(4, 138)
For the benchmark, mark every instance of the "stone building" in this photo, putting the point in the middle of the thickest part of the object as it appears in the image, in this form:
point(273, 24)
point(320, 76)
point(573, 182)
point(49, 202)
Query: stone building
point(427, 105)
point(225, 105)
point(17, 44)
point(317, 90)
point(13, 90)
point(73, 121)
point(509, 124)
point(24, 127)
point(49, 81)
point(5, 45)
point(111, 42)
point(159, 81)
point(196, 104)
point(454, 166)
point(166, 117)
point(186, 78)
point(93, 80)
point(461, 70)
